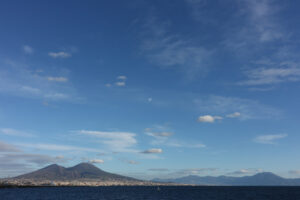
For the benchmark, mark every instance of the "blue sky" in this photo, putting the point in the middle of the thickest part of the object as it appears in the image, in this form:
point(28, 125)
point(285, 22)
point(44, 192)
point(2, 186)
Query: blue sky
point(150, 88)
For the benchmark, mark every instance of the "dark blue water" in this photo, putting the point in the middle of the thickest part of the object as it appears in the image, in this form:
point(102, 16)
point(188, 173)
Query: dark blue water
point(152, 193)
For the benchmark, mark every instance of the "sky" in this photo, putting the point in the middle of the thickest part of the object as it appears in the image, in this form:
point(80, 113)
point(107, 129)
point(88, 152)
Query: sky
point(161, 88)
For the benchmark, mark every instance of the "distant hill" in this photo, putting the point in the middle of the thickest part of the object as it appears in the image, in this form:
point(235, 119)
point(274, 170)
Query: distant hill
point(78, 172)
point(260, 179)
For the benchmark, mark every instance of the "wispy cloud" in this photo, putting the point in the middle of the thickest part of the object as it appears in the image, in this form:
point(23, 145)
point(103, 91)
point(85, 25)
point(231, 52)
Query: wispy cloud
point(158, 131)
point(294, 172)
point(117, 141)
point(30, 158)
point(249, 109)
point(60, 54)
point(57, 147)
point(122, 77)
point(23, 80)
point(131, 162)
point(264, 30)
point(57, 79)
point(212, 119)
point(27, 49)
point(152, 151)
point(190, 171)
point(120, 84)
point(13, 164)
point(96, 161)
point(268, 76)
point(195, 171)
point(162, 136)
point(4, 147)
point(14, 161)
point(261, 18)
point(167, 49)
point(234, 115)
point(243, 172)
point(14, 132)
point(269, 139)
point(260, 26)
point(159, 169)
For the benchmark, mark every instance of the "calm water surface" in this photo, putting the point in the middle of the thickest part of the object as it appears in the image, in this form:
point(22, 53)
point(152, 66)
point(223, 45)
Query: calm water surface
point(152, 193)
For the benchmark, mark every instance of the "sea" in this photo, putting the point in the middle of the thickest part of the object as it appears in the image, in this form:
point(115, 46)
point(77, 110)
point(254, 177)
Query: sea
point(151, 193)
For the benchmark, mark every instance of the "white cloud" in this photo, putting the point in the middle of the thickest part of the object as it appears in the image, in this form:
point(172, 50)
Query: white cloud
point(117, 141)
point(149, 99)
point(108, 85)
point(150, 151)
point(14, 132)
point(234, 115)
point(120, 84)
point(60, 54)
point(28, 49)
point(96, 161)
point(57, 79)
point(122, 77)
point(269, 139)
point(208, 118)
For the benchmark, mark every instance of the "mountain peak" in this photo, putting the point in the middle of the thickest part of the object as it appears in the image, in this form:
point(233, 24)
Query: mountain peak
point(84, 166)
point(53, 166)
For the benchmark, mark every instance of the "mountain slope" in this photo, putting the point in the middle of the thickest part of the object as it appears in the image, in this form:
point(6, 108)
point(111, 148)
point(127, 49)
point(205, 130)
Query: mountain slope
point(80, 171)
point(260, 179)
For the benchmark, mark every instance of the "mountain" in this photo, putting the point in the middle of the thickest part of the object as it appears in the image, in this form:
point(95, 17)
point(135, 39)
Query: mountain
point(78, 172)
point(260, 179)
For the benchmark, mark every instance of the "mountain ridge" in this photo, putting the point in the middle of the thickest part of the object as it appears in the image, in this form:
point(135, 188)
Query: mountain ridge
point(259, 179)
point(77, 172)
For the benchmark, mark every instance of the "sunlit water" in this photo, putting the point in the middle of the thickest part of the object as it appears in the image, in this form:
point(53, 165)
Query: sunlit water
point(152, 193)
